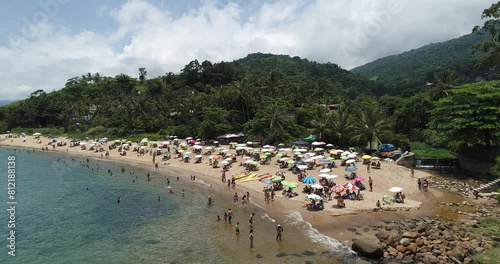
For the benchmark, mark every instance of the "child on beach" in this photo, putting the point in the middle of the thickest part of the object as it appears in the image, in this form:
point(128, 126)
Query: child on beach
point(237, 228)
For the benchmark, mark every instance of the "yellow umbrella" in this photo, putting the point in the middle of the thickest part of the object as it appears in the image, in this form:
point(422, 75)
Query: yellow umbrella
point(334, 152)
point(375, 158)
point(366, 157)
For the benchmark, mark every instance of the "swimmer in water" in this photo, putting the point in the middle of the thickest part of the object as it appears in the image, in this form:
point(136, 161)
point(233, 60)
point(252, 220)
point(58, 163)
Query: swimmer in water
point(210, 201)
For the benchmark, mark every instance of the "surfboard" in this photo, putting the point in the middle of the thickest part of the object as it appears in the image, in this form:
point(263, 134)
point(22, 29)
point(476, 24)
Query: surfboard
point(243, 175)
point(266, 177)
point(251, 177)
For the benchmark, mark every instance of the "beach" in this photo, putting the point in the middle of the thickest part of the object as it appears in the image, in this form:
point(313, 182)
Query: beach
point(390, 175)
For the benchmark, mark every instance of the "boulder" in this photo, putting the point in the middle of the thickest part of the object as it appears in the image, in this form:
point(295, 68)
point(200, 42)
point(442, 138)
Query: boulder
point(411, 235)
point(412, 248)
point(401, 248)
point(368, 246)
point(392, 251)
point(422, 228)
point(383, 234)
point(404, 241)
point(430, 259)
point(360, 261)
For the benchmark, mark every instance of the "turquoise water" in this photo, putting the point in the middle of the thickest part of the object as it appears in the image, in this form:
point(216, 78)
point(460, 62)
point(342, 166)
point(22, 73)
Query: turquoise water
point(67, 213)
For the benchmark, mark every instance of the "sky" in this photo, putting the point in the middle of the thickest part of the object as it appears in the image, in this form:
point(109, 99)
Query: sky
point(43, 43)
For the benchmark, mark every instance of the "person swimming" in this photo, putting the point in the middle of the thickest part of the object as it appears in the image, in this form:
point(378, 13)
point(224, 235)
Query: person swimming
point(210, 200)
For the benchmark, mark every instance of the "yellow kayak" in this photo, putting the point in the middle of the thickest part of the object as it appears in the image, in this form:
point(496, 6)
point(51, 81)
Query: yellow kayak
point(243, 175)
point(250, 177)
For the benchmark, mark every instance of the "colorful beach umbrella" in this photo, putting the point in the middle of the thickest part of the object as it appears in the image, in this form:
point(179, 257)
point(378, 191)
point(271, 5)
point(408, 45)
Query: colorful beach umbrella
point(267, 181)
point(359, 179)
point(366, 157)
point(290, 184)
point(338, 189)
point(308, 180)
point(314, 196)
point(351, 168)
point(277, 179)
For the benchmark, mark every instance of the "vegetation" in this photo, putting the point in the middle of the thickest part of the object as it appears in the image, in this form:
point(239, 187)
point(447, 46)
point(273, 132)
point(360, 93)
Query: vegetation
point(491, 47)
point(417, 69)
point(423, 150)
point(490, 257)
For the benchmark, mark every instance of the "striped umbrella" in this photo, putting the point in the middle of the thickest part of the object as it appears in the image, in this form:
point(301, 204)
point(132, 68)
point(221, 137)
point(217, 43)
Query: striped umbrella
point(309, 180)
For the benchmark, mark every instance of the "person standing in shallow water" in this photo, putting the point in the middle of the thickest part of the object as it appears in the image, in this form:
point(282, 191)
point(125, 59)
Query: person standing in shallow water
point(251, 238)
point(370, 182)
point(279, 232)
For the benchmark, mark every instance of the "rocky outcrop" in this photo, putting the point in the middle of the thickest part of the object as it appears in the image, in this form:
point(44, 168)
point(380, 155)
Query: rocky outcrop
point(368, 246)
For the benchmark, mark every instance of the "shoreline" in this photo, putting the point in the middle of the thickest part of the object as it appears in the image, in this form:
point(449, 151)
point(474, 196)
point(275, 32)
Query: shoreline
point(331, 222)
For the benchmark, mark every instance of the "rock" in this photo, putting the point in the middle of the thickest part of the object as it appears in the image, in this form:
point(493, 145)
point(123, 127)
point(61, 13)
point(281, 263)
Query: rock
point(422, 227)
point(479, 250)
point(457, 254)
point(404, 241)
point(430, 259)
point(392, 251)
point(412, 248)
point(410, 235)
point(419, 241)
point(407, 259)
point(401, 248)
point(368, 246)
point(383, 234)
point(360, 261)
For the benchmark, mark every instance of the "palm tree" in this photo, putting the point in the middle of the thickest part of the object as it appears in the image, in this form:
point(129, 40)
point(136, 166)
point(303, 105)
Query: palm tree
point(242, 90)
point(372, 125)
point(446, 80)
point(342, 124)
point(322, 123)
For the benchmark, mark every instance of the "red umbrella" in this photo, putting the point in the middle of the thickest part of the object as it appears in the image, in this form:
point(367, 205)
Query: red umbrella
point(338, 189)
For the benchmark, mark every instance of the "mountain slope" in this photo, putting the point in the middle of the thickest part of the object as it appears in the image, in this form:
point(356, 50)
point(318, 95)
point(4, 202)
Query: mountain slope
point(416, 67)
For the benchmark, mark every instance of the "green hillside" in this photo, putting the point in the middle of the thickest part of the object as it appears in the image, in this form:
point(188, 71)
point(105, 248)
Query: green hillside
point(416, 67)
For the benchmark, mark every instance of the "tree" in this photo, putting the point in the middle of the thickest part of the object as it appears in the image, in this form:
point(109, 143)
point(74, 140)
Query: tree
point(321, 124)
point(215, 122)
point(491, 47)
point(372, 125)
point(469, 115)
point(446, 80)
point(142, 74)
point(342, 124)
point(270, 122)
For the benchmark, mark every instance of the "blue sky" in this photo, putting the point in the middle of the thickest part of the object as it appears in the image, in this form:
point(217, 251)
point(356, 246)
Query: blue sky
point(45, 42)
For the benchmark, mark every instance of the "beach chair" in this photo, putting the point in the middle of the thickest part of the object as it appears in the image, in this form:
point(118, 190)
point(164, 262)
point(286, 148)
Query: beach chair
point(387, 199)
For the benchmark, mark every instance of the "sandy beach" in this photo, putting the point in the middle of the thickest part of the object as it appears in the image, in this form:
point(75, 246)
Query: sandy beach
point(388, 176)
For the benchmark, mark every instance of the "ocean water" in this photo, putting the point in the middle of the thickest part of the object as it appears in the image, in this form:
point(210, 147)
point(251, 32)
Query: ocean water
point(68, 213)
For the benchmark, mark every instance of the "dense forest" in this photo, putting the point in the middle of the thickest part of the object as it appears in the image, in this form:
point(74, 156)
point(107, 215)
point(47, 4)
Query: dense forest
point(417, 67)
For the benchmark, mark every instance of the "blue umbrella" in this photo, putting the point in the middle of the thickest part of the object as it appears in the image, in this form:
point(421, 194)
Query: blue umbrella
point(267, 181)
point(351, 168)
point(309, 180)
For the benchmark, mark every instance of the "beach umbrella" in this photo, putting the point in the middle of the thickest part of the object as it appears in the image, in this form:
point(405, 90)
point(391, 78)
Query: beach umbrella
point(228, 159)
point(290, 184)
point(277, 179)
point(314, 196)
point(233, 143)
point(247, 157)
point(217, 157)
point(316, 186)
point(187, 153)
point(266, 146)
point(353, 188)
point(344, 158)
point(351, 156)
point(329, 177)
point(197, 143)
point(263, 156)
point(302, 167)
point(351, 168)
point(350, 161)
point(225, 162)
point(308, 180)
point(375, 158)
point(37, 134)
point(248, 161)
point(359, 179)
point(197, 147)
point(334, 152)
point(189, 138)
point(198, 156)
point(396, 189)
point(241, 145)
point(255, 163)
point(323, 175)
point(290, 161)
point(266, 150)
point(329, 145)
point(338, 189)
point(325, 170)
point(318, 149)
point(308, 160)
point(284, 159)
point(285, 149)
point(366, 157)
point(267, 181)
point(240, 148)
point(256, 150)
point(281, 145)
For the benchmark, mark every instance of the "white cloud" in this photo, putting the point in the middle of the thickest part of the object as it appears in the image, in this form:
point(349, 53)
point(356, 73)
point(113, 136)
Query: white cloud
point(345, 32)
